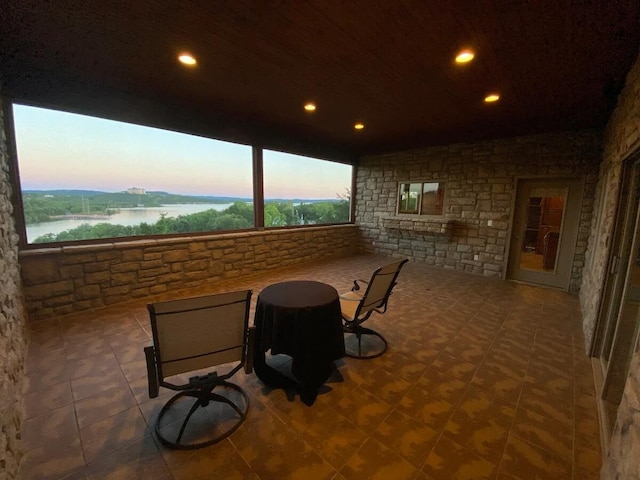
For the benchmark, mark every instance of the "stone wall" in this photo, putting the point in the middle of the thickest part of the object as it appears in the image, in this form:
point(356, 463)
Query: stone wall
point(621, 141)
point(12, 327)
point(480, 183)
point(59, 281)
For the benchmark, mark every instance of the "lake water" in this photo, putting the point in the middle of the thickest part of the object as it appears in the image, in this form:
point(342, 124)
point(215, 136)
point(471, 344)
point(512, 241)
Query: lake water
point(126, 216)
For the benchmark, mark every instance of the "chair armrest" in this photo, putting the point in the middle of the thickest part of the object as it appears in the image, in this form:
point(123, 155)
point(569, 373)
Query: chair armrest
point(152, 371)
point(248, 359)
point(350, 298)
point(356, 285)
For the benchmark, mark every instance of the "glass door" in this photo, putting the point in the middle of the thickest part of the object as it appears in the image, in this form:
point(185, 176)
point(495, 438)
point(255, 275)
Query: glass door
point(618, 322)
point(544, 231)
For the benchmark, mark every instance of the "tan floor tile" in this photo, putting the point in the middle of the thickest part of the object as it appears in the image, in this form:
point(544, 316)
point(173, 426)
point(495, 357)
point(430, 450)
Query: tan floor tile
point(439, 384)
point(45, 340)
point(401, 363)
point(585, 398)
point(129, 353)
point(588, 460)
point(549, 407)
point(587, 432)
point(93, 365)
point(136, 337)
point(374, 461)
point(262, 436)
point(140, 388)
point(581, 474)
point(101, 405)
point(305, 464)
point(49, 427)
point(89, 385)
point(86, 346)
point(543, 366)
point(123, 325)
point(482, 424)
point(465, 351)
point(140, 460)
point(385, 385)
point(44, 378)
point(81, 474)
point(410, 439)
point(544, 379)
point(527, 461)
point(334, 438)
point(135, 369)
point(53, 397)
point(450, 461)
point(504, 387)
point(216, 461)
point(54, 459)
point(454, 367)
point(428, 407)
point(363, 409)
point(113, 433)
point(422, 352)
point(296, 414)
point(508, 352)
point(545, 432)
point(42, 359)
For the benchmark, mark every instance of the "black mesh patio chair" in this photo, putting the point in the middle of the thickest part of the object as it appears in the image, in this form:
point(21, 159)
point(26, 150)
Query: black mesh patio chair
point(190, 335)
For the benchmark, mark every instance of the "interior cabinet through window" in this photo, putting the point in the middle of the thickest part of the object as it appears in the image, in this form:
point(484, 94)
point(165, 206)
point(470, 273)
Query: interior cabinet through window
point(421, 198)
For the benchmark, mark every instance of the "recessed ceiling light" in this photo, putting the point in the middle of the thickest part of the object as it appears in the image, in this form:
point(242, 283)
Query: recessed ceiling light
point(492, 97)
point(465, 56)
point(359, 126)
point(187, 59)
point(310, 107)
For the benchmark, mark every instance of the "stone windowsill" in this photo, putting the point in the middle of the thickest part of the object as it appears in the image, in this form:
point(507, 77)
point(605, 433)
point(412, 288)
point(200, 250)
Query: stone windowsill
point(423, 225)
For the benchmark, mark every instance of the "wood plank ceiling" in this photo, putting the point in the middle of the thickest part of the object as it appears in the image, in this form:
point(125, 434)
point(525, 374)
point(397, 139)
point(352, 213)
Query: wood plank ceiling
point(557, 65)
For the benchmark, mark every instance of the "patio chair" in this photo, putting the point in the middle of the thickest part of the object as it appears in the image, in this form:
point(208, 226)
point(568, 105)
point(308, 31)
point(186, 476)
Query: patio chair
point(357, 307)
point(190, 335)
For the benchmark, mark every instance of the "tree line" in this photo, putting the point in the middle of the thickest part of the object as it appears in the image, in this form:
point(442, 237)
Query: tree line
point(42, 206)
point(238, 216)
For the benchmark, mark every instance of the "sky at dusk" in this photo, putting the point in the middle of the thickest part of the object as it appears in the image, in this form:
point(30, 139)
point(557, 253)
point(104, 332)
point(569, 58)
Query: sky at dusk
point(59, 150)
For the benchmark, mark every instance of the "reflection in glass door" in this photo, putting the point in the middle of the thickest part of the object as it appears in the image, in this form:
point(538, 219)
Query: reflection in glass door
point(539, 248)
point(544, 231)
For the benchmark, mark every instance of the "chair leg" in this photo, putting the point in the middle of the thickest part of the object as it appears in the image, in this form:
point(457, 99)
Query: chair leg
point(359, 331)
point(193, 408)
point(202, 397)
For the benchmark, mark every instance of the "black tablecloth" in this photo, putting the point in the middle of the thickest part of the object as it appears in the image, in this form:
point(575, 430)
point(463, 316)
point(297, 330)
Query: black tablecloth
point(301, 319)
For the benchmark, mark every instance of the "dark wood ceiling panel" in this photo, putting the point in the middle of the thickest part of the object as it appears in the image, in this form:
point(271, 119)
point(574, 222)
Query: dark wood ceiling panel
point(557, 65)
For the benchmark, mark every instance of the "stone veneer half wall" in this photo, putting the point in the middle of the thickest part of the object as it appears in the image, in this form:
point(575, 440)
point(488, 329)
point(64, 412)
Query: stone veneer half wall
point(12, 327)
point(480, 180)
point(58, 281)
point(621, 141)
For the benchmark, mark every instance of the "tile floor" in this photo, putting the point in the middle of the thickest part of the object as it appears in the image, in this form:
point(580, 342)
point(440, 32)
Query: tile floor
point(483, 379)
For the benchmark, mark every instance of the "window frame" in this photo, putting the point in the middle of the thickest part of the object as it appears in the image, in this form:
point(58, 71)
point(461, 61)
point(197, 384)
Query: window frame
point(258, 203)
point(272, 155)
point(420, 200)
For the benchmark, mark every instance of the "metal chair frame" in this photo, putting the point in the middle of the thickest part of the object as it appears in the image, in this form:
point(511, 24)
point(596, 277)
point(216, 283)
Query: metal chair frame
point(199, 387)
point(367, 306)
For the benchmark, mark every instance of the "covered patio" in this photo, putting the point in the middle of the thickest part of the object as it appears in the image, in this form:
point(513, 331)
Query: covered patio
point(484, 378)
point(490, 373)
